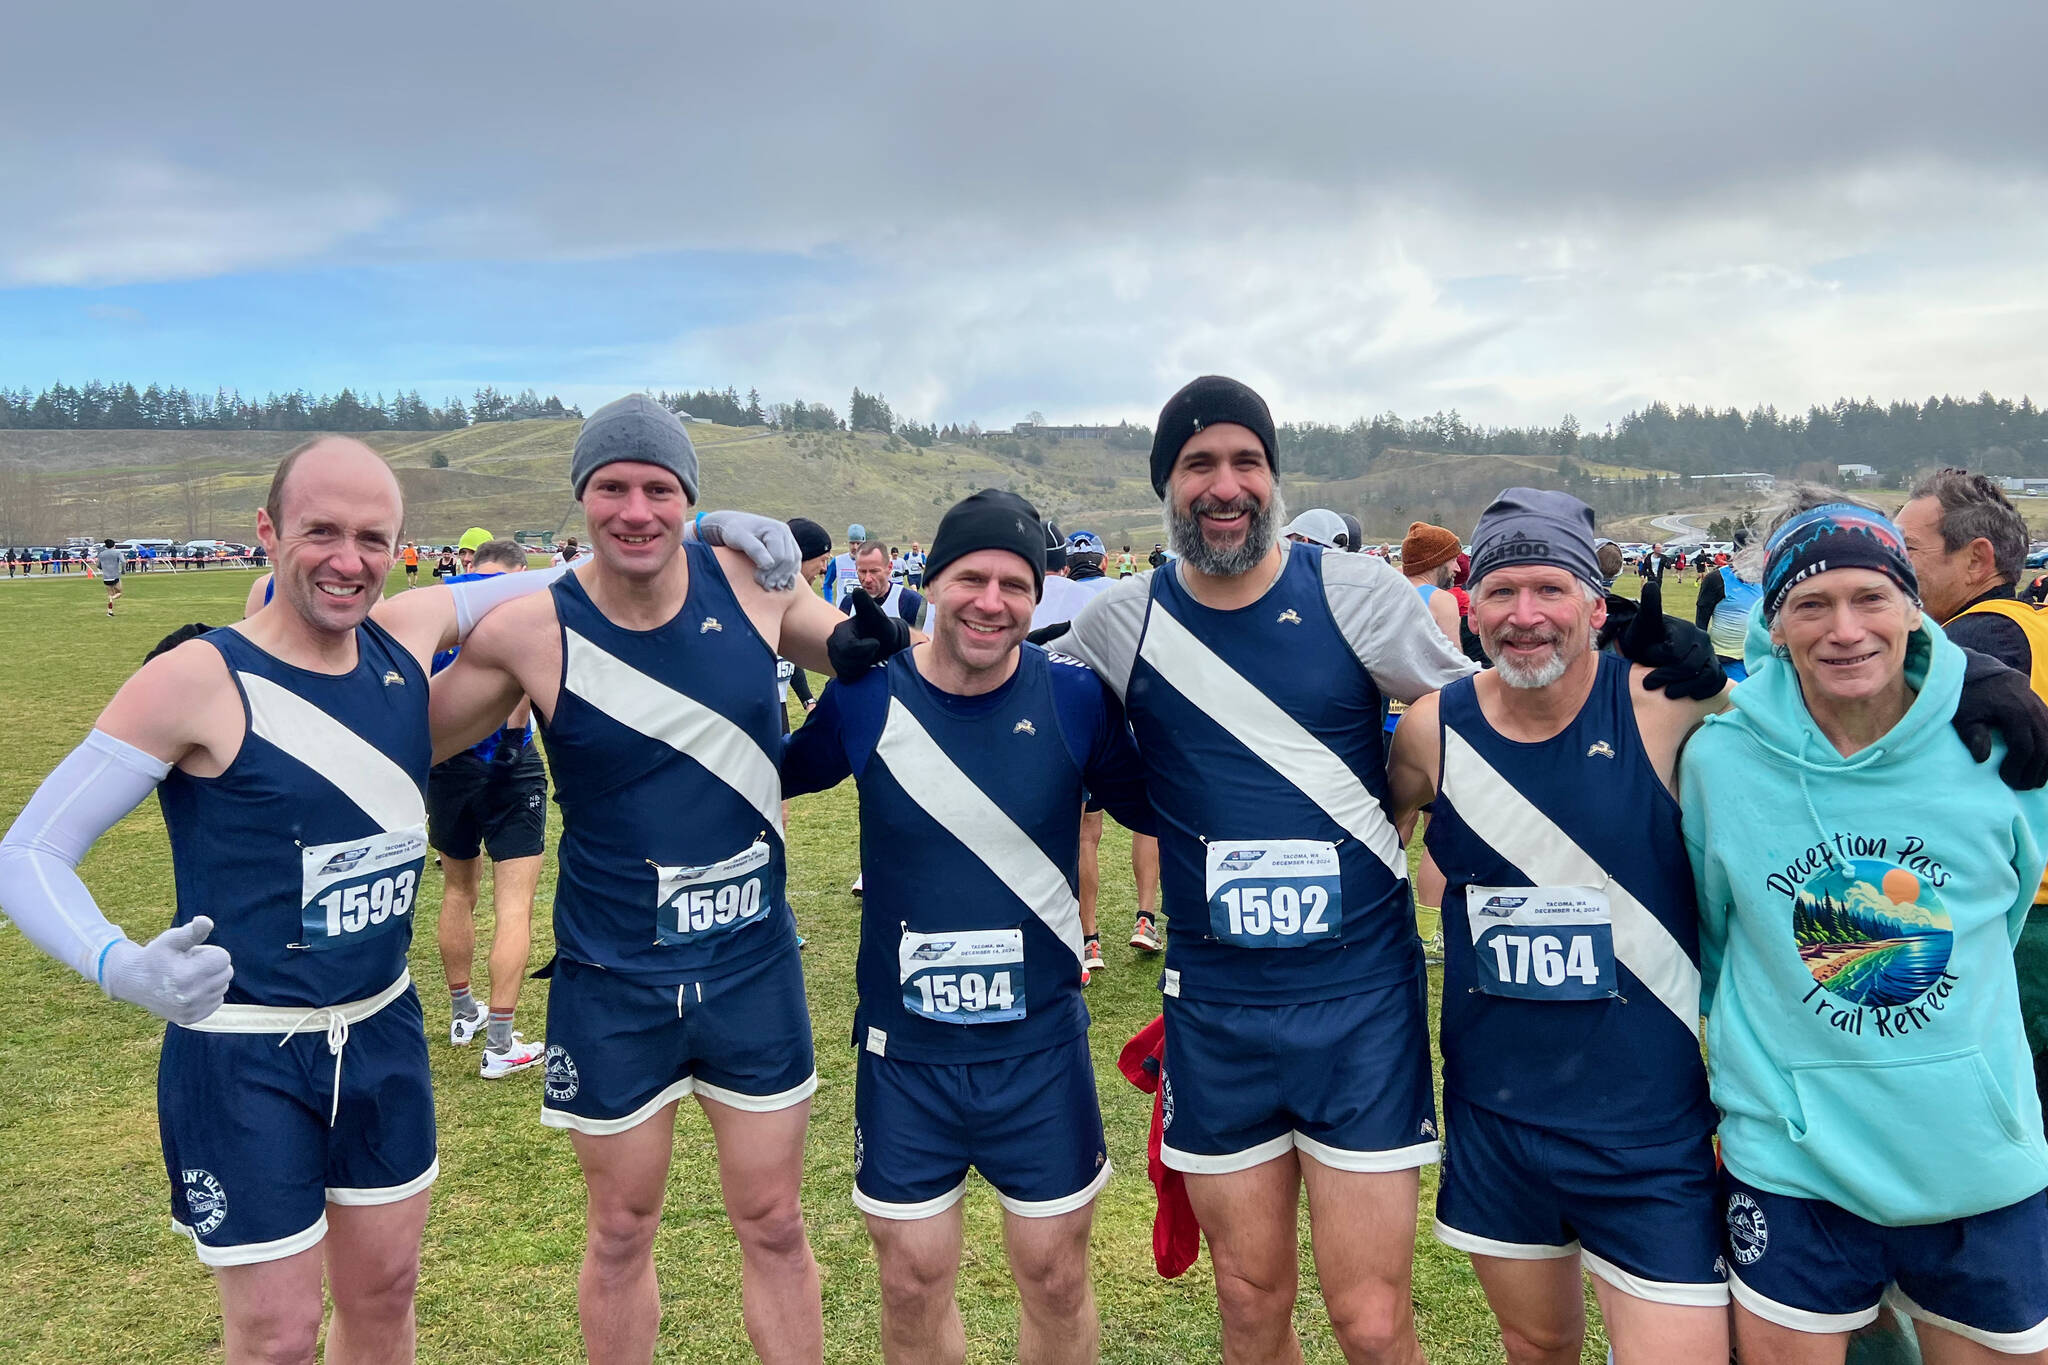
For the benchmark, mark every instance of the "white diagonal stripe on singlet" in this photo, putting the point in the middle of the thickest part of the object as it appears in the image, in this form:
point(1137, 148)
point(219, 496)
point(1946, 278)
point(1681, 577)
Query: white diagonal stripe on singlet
point(357, 768)
point(1511, 825)
point(965, 811)
point(1277, 739)
point(687, 725)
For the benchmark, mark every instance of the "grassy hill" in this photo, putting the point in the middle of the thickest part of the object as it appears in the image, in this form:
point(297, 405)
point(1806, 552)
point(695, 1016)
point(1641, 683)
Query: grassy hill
point(514, 476)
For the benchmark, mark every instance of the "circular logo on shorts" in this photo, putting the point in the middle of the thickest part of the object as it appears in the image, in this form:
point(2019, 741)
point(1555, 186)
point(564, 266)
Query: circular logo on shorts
point(562, 1082)
point(206, 1203)
point(1748, 1235)
point(1165, 1100)
point(860, 1149)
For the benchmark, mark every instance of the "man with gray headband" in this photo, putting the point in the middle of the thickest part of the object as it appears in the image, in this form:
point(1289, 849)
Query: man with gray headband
point(1577, 1123)
point(652, 672)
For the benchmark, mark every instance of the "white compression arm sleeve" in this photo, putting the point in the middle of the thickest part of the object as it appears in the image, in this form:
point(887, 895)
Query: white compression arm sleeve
point(475, 598)
point(101, 781)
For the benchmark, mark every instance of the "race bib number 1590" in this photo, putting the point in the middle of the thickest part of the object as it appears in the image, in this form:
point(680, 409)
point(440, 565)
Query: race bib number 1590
point(694, 901)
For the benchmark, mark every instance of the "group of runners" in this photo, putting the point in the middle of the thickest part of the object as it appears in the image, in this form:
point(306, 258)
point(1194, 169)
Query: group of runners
point(1850, 945)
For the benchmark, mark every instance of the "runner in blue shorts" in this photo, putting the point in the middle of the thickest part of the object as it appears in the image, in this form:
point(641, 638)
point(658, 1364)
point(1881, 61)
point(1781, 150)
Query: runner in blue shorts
point(289, 753)
point(652, 672)
point(973, 753)
point(1577, 1127)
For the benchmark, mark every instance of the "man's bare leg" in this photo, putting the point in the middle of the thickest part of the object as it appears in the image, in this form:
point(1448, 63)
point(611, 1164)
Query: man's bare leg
point(270, 1312)
point(1540, 1306)
point(1091, 868)
point(456, 929)
point(760, 1172)
point(1252, 1220)
point(625, 1176)
point(373, 1271)
point(1049, 1258)
point(919, 1261)
point(513, 881)
point(1646, 1333)
point(1145, 871)
point(1362, 1227)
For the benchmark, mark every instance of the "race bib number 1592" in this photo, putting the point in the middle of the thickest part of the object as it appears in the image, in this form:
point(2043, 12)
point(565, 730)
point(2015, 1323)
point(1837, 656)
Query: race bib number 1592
point(1275, 893)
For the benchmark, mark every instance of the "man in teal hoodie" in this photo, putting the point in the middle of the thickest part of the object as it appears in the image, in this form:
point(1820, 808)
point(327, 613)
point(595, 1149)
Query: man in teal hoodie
point(1861, 883)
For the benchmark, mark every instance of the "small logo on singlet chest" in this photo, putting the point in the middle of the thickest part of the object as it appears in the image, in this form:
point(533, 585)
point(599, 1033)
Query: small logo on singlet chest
point(394, 676)
point(1290, 617)
point(1600, 749)
point(710, 624)
point(1023, 727)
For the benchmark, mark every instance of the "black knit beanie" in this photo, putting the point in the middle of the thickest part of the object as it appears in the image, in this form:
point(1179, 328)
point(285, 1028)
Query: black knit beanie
point(993, 519)
point(1204, 403)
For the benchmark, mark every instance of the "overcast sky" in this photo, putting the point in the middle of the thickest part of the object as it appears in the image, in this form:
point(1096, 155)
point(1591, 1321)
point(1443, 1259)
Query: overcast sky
point(1517, 210)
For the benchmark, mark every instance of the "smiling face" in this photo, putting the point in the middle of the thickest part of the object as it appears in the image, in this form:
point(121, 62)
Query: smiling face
point(1222, 500)
point(636, 513)
point(332, 535)
point(981, 609)
point(1534, 621)
point(1846, 631)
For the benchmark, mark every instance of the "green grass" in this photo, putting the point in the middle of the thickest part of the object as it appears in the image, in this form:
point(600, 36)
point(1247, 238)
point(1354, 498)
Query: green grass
point(90, 1270)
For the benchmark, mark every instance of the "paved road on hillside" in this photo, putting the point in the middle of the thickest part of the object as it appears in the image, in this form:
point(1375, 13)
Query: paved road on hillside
point(1681, 527)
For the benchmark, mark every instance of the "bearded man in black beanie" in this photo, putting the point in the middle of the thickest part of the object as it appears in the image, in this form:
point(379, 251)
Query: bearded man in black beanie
point(973, 751)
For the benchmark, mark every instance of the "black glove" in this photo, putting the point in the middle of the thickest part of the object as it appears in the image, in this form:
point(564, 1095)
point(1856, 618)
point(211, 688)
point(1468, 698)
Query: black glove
point(1997, 701)
point(866, 638)
point(511, 747)
point(1678, 653)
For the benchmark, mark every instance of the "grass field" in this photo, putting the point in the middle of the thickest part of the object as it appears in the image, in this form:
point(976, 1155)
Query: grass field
point(90, 1270)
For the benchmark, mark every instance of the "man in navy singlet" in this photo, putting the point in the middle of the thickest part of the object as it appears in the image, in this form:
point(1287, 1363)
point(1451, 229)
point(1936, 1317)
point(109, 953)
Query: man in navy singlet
point(1577, 1128)
point(973, 751)
point(652, 672)
point(290, 753)
point(872, 565)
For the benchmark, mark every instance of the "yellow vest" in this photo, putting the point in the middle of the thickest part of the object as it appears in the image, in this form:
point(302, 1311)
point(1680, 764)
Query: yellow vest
point(2034, 622)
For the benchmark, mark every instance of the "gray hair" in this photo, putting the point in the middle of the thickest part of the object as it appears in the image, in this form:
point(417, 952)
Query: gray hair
point(1973, 507)
point(1787, 502)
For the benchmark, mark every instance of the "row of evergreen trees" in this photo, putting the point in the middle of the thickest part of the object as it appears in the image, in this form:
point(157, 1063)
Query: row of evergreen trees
point(122, 407)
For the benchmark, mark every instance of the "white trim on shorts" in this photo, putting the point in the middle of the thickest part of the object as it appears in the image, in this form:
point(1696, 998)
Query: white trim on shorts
point(760, 1104)
point(1336, 1158)
point(1677, 1294)
point(551, 1117)
point(2033, 1339)
point(910, 1213)
point(1473, 1244)
point(1798, 1319)
point(1053, 1208)
point(253, 1253)
point(389, 1194)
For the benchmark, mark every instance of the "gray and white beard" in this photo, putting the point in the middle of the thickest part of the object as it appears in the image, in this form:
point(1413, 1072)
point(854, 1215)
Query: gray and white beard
point(1529, 679)
point(1184, 535)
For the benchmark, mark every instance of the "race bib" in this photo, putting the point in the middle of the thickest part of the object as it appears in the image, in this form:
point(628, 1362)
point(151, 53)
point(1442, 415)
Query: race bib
point(1542, 942)
point(359, 888)
point(1281, 893)
point(692, 902)
point(972, 977)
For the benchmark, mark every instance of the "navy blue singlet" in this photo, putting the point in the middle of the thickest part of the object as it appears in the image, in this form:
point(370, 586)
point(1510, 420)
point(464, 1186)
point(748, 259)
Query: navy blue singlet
point(1544, 1021)
point(307, 851)
point(664, 747)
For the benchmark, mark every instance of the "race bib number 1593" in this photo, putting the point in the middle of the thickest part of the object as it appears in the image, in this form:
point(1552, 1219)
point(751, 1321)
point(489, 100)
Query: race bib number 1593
point(359, 888)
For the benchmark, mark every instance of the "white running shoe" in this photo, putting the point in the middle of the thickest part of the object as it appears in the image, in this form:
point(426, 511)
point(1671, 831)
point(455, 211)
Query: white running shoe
point(517, 1057)
point(1092, 949)
point(1144, 936)
point(856, 883)
point(461, 1031)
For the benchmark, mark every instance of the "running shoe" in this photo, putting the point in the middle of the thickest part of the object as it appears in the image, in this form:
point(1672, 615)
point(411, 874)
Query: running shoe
point(461, 1031)
point(1144, 935)
point(1085, 975)
point(856, 885)
point(517, 1057)
point(1091, 954)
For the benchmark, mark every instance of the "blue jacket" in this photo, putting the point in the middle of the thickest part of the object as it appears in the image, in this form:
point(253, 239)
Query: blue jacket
point(1857, 917)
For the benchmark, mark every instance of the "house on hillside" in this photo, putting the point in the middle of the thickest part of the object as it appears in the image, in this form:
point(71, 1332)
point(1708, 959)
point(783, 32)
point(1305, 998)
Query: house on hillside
point(1855, 472)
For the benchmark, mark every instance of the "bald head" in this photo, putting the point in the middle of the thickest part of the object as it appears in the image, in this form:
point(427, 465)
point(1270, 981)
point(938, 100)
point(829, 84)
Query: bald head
point(338, 463)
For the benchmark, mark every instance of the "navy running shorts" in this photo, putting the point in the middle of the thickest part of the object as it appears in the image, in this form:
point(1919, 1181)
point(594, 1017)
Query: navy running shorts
point(1646, 1219)
point(252, 1159)
point(1031, 1125)
point(474, 806)
point(620, 1048)
point(1346, 1080)
point(1815, 1267)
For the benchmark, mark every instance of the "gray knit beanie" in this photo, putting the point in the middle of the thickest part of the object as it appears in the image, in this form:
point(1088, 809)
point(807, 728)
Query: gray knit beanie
point(638, 429)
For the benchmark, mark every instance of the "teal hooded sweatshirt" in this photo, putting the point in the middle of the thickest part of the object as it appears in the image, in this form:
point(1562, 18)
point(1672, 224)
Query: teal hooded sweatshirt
point(1857, 922)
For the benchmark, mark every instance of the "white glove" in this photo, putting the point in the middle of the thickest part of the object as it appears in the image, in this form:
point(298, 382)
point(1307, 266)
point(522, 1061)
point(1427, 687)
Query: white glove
point(179, 976)
point(766, 541)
